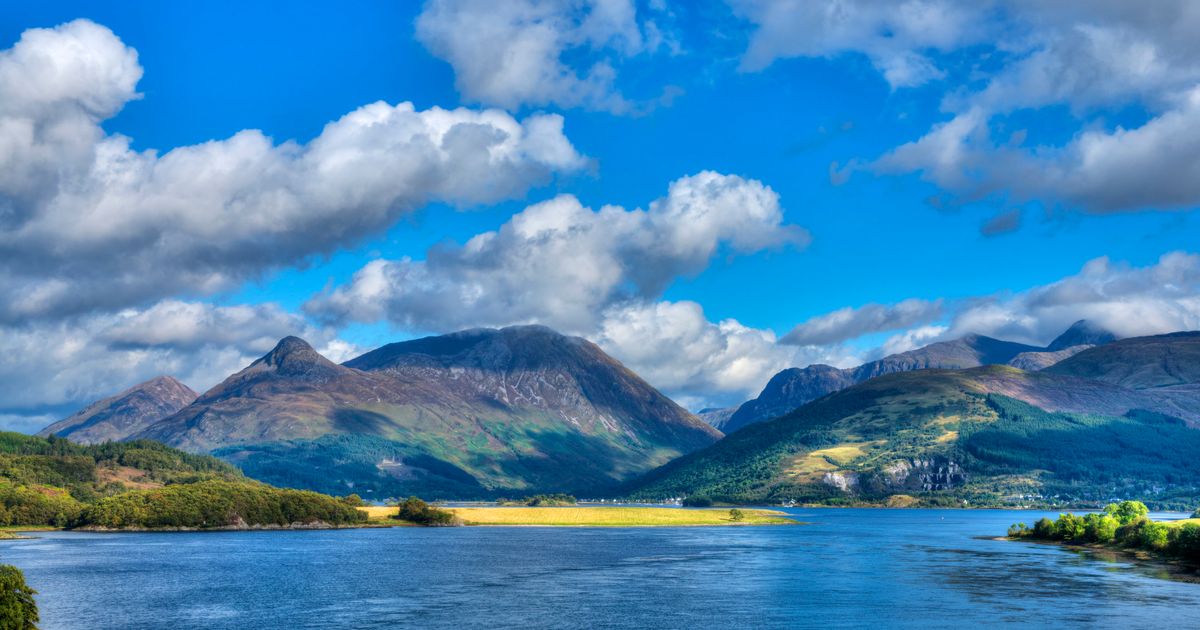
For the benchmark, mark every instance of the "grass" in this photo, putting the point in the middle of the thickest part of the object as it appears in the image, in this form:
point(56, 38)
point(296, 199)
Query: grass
point(597, 516)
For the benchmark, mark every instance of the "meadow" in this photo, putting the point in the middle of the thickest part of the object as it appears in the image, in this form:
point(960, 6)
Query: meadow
point(599, 516)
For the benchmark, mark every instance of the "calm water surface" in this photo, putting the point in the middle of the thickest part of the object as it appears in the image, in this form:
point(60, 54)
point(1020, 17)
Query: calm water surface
point(848, 569)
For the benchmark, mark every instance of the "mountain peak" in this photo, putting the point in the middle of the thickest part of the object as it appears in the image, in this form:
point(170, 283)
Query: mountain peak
point(127, 412)
point(293, 355)
point(1082, 332)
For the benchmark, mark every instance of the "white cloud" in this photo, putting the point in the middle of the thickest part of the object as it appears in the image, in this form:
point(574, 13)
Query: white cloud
point(69, 363)
point(849, 323)
point(512, 53)
point(561, 264)
point(1131, 301)
point(896, 37)
point(87, 222)
point(701, 363)
point(1094, 57)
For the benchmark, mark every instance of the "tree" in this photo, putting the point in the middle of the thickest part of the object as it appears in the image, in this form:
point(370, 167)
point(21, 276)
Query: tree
point(1070, 527)
point(18, 611)
point(1127, 511)
point(1044, 528)
point(1101, 528)
point(417, 511)
point(736, 515)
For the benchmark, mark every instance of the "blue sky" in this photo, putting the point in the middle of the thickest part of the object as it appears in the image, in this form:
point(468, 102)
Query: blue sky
point(778, 95)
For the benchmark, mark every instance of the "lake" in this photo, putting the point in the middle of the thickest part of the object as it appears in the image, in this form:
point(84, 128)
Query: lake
point(849, 568)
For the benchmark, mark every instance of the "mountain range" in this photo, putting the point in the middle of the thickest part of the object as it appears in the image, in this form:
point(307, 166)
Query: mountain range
point(487, 413)
point(1114, 420)
point(794, 387)
point(475, 413)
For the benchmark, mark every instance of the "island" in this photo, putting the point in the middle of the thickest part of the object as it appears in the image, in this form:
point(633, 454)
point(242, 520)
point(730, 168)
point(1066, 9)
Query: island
point(1124, 527)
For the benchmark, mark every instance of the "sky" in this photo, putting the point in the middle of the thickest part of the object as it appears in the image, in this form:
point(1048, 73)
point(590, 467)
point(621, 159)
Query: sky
point(711, 191)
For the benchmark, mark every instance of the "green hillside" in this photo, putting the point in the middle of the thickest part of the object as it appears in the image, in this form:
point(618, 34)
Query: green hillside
point(946, 437)
point(54, 482)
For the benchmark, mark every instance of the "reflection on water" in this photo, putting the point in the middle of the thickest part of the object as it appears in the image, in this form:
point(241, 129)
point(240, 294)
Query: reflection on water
point(847, 569)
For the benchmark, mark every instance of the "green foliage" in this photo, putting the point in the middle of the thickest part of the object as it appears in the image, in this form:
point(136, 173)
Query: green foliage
point(736, 515)
point(1044, 528)
point(541, 500)
point(1123, 524)
point(1100, 528)
point(1196, 514)
point(697, 501)
point(18, 610)
point(1127, 511)
point(414, 510)
point(1069, 527)
point(212, 504)
point(37, 505)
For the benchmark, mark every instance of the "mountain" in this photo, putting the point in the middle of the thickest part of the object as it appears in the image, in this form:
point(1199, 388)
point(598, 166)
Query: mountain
point(716, 417)
point(1139, 362)
point(794, 387)
point(992, 435)
point(470, 414)
point(1034, 361)
point(1082, 333)
point(126, 413)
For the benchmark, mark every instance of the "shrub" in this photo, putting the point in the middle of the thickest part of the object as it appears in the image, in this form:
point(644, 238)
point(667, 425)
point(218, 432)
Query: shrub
point(419, 512)
point(1045, 529)
point(736, 515)
point(18, 611)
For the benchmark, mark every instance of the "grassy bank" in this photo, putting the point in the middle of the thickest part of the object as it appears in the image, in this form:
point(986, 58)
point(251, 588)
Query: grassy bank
point(600, 516)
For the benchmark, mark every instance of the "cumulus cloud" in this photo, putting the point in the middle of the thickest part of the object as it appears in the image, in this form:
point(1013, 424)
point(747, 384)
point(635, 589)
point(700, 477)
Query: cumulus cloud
point(87, 222)
point(53, 368)
point(1093, 57)
point(514, 53)
point(701, 363)
point(561, 264)
point(850, 323)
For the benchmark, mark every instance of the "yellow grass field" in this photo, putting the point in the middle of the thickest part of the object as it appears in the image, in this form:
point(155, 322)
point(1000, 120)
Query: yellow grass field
point(601, 516)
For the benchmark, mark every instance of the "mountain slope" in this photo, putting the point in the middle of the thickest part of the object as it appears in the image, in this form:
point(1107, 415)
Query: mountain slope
point(1082, 333)
point(128, 412)
point(468, 414)
point(1034, 361)
point(794, 387)
point(1139, 362)
point(988, 434)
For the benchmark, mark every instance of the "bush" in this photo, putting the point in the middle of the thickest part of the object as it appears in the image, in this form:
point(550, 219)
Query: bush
point(1045, 529)
point(18, 610)
point(419, 512)
point(736, 515)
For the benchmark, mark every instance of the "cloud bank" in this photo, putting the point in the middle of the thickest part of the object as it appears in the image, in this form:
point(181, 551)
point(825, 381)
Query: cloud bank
point(86, 222)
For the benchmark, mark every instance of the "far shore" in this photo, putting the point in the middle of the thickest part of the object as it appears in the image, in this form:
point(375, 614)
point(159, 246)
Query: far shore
point(599, 516)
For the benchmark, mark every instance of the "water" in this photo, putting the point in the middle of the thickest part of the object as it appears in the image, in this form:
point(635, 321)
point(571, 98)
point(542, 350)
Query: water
point(848, 569)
